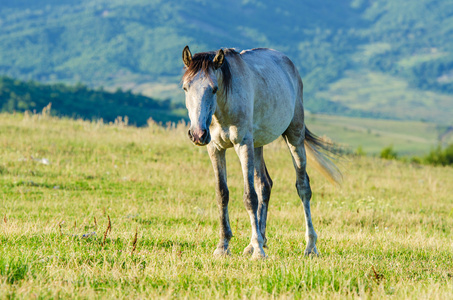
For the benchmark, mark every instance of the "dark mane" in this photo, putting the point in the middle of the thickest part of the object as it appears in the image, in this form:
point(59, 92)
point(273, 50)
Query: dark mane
point(203, 62)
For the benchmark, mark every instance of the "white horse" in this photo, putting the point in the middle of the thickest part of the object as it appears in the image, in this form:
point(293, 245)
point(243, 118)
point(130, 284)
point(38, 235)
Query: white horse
point(247, 100)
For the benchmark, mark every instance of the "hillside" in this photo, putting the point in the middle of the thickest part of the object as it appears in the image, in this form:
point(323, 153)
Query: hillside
point(81, 102)
point(138, 46)
point(408, 138)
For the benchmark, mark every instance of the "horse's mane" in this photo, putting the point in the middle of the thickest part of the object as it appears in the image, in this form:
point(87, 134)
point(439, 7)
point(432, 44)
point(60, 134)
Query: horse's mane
point(203, 61)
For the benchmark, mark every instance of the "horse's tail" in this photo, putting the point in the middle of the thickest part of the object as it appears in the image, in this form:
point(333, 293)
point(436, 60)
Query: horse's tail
point(320, 154)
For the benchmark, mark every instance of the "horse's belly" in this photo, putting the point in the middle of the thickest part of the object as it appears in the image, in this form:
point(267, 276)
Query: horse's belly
point(269, 128)
point(272, 113)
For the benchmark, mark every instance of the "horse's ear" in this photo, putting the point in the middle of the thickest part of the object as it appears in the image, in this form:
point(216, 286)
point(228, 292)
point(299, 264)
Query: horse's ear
point(186, 56)
point(219, 59)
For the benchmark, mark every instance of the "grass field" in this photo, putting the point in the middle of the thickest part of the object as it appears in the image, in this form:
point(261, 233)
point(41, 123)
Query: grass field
point(387, 232)
point(390, 96)
point(408, 138)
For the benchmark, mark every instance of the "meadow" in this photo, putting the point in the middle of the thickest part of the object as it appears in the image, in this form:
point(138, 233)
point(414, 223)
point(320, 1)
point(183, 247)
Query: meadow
point(390, 96)
point(408, 138)
point(94, 210)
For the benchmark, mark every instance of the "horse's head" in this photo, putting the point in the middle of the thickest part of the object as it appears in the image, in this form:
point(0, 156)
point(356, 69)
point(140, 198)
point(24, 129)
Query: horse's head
point(200, 85)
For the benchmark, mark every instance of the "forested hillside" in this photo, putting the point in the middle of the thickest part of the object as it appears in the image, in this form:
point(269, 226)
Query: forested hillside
point(137, 44)
point(81, 102)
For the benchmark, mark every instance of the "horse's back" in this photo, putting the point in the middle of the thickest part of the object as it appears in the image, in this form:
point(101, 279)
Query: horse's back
point(273, 66)
point(277, 88)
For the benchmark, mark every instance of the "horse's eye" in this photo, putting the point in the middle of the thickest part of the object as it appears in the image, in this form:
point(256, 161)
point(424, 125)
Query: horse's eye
point(214, 90)
point(184, 88)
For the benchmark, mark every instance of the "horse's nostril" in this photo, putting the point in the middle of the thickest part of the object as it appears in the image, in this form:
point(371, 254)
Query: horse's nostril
point(198, 136)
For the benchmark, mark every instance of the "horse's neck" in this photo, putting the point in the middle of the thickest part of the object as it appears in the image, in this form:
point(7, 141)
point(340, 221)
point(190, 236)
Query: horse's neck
point(228, 103)
point(222, 97)
point(221, 111)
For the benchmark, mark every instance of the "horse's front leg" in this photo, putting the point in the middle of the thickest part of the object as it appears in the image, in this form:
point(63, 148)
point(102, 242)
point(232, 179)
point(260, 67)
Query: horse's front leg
point(222, 194)
point(245, 151)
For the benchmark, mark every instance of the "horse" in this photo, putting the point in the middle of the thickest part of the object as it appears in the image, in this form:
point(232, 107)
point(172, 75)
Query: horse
point(245, 101)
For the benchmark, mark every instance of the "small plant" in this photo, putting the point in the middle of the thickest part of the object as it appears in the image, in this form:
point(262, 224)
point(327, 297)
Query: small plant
point(388, 153)
point(377, 276)
point(360, 151)
point(440, 156)
point(134, 242)
point(109, 228)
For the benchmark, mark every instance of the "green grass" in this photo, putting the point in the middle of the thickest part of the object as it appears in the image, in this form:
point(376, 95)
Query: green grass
point(386, 232)
point(389, 96)
point(408, 138)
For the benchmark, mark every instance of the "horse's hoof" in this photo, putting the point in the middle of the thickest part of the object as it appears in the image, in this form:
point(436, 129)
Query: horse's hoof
point(311, 252)
point(248, 250)
point(222, 252)
point(259, 255)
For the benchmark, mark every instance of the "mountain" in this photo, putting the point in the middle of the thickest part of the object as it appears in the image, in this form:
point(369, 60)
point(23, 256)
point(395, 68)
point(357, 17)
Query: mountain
point(382, 58)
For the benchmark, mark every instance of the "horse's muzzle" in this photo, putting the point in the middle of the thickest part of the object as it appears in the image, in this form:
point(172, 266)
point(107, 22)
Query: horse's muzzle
point(199, 137)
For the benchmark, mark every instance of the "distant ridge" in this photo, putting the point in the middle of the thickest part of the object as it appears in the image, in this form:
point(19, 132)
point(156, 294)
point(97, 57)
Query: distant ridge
point(82, 102)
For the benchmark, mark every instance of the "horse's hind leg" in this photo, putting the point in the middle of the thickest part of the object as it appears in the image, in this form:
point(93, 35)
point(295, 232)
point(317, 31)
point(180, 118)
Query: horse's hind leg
point(263, 186)
point(295, 141)
point(222, 193)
